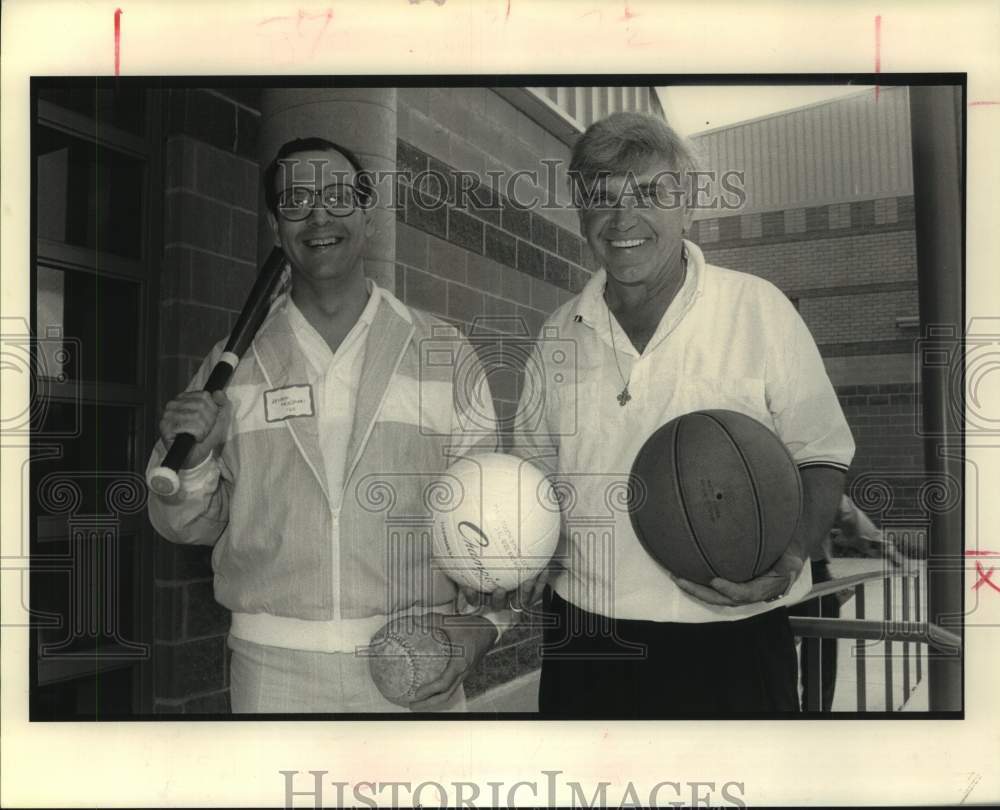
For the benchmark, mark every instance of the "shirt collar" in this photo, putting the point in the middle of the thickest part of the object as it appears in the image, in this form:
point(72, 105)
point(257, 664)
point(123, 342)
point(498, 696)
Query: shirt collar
point(297, 319)
point(317, 350)
point(592, 309)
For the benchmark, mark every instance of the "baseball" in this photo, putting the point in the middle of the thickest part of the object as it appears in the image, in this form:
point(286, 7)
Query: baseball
point(405, 654)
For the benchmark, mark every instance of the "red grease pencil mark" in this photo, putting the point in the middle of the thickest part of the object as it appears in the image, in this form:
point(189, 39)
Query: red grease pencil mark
point(118, 40)
point(305, 29)
point(878, 49)
point(327, 16)
point(984, 577)
point(983, 103)
point(977, 553)
point(631, 37)
point(506, 15)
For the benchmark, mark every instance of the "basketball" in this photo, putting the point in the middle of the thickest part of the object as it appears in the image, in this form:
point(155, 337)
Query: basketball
point(716, 495)
point(496, 523)
point(406, 654)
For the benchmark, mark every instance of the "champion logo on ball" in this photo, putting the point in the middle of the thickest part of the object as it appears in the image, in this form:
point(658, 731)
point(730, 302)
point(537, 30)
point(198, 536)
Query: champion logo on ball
point(473, 546)
point(478, 537)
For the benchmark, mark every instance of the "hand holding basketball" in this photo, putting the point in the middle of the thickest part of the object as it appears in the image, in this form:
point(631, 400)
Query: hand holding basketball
point(765, 588)
point(473, 636)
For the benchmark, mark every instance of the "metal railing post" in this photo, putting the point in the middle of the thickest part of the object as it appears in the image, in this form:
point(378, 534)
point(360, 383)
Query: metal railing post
point(859, 648)
point(920, 618)
point(887, 645)
point(905, 584)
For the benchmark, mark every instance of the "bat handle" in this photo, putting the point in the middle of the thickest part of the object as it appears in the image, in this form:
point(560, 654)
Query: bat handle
point(163, 480)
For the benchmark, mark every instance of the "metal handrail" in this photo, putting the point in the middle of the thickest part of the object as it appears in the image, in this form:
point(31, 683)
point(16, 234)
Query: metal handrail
point(878, 630)
point(843, 583)
point(908, 629)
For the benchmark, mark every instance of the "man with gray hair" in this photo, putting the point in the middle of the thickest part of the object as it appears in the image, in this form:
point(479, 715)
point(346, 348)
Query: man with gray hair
point(658, 333)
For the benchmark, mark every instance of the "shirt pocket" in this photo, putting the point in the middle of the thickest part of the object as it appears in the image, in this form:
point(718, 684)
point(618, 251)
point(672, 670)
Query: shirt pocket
point(744, 395)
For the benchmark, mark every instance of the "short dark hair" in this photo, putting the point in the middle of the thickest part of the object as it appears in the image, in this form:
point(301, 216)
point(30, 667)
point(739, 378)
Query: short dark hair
point(364, 184)
point(616, 144)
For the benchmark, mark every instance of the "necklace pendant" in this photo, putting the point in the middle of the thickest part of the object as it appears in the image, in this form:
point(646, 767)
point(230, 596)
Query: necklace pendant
point(624, 397)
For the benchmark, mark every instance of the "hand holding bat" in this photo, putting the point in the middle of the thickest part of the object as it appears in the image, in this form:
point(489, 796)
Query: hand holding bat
point(191, 420)
point(203, 415)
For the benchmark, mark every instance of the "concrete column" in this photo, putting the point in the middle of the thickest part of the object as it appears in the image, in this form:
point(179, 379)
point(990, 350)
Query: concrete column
point(361, 119)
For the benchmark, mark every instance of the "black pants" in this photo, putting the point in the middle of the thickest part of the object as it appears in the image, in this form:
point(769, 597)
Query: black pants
point(828, 607)
point(597, 667)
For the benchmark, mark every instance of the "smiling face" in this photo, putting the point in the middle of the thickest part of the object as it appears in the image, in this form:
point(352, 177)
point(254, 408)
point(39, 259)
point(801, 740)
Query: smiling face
point(322, 247)
point(636, 225)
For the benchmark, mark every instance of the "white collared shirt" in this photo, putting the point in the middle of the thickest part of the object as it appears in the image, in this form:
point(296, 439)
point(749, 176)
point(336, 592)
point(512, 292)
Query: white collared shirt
point(728, 340)
point(335, 377)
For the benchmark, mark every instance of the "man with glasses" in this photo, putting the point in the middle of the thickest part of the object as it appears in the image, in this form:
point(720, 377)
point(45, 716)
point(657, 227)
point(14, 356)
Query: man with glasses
point(332, 422)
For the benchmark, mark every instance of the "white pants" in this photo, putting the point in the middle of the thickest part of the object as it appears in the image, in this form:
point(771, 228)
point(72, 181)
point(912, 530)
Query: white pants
point(266, 679)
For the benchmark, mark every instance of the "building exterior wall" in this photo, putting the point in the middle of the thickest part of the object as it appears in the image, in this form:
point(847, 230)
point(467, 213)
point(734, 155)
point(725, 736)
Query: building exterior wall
point(854, 148)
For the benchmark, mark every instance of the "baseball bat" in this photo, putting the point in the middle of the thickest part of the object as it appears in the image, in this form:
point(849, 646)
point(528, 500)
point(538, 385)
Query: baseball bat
point(163, 479)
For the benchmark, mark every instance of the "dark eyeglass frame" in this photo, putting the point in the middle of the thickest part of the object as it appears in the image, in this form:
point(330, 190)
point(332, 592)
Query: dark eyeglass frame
point(355, 200)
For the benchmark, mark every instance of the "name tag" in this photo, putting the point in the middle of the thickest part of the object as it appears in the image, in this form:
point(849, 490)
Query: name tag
point(284, 403)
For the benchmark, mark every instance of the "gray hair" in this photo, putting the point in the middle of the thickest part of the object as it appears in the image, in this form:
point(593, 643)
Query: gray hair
point(623, 142)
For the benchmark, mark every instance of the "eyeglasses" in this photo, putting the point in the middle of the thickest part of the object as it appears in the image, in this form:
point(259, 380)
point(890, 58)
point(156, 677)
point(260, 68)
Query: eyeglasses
point(298, 202)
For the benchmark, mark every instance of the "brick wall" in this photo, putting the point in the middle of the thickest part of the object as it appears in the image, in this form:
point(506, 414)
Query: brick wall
point(852, 275)
point(208, 265)
point(884, 423)
point(851, 270)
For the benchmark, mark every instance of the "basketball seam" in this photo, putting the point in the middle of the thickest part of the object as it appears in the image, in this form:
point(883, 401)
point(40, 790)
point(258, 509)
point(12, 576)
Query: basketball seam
point(753, 487)
point(683, 501)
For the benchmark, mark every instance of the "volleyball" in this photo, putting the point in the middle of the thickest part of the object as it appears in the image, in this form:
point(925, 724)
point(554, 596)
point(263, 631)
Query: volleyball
point(496, 523)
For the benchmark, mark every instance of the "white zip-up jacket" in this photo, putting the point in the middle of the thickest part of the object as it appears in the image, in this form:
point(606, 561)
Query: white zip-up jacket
point(283, 552)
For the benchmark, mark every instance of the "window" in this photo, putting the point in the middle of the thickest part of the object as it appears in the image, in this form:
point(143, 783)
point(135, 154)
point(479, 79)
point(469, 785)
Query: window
point(95, 190)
